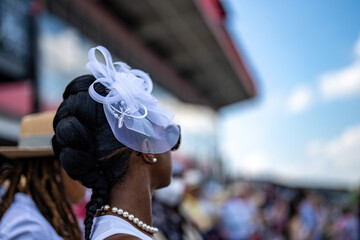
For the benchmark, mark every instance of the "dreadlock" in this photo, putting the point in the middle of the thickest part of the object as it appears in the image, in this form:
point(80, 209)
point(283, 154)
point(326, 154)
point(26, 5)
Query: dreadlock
point(41, 179)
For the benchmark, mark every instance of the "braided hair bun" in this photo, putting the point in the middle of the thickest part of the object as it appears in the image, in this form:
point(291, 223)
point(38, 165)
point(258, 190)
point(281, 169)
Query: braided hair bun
point(86, 146)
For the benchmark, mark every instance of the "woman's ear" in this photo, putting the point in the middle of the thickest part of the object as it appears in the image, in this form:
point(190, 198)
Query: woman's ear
point(149, 158)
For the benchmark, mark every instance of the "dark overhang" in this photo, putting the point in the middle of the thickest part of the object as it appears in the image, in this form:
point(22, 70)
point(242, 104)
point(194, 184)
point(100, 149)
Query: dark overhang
point(183, 44)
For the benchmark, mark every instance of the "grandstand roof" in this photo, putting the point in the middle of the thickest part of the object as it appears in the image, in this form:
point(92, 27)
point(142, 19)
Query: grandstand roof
point(183, 44)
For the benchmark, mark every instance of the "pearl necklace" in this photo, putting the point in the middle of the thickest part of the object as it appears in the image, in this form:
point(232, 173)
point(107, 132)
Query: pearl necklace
point(130, 217)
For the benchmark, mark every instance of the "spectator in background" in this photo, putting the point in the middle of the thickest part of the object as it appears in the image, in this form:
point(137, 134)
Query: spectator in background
point(192, 202)
point(168, 214)
point(313, 215)
point(238, 214)
point(212, 200)
point(346, 227)
point(277, 216)
point(36, 191)
point(296, 229)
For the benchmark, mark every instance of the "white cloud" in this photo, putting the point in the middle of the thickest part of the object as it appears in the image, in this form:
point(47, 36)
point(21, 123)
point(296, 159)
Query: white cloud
point(341, 83)
point(338, 84)
point(339, 157)
point(300, 99)
point(344, 82)
point(255, 163)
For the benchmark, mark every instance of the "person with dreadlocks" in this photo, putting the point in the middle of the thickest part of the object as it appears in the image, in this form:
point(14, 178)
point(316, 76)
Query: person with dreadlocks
point(35, 190)
point(112, 137)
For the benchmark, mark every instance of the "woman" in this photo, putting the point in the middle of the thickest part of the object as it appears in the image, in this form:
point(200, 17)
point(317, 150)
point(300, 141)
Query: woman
point(112, 137)
point(36, 192)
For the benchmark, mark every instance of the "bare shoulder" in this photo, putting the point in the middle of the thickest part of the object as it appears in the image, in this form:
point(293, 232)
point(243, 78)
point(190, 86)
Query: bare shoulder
point(122, 237)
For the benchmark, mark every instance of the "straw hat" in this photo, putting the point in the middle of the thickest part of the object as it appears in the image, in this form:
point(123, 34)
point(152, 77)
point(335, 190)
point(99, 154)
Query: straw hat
point(36, 132)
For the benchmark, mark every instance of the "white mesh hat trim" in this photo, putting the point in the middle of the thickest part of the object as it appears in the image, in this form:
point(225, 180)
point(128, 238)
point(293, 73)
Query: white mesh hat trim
point(132, 112)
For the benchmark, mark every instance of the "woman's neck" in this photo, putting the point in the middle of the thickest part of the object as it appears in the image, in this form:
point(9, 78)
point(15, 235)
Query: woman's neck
point(133, 197)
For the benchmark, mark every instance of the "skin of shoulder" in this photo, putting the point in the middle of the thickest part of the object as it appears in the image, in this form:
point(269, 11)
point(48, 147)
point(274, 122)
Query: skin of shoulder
point(122, 237)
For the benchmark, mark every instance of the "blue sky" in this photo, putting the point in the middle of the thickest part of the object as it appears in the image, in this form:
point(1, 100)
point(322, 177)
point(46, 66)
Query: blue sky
point(304, 125)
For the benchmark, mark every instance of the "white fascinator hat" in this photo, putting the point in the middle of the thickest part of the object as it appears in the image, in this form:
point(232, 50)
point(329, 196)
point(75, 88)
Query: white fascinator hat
point(132, 112)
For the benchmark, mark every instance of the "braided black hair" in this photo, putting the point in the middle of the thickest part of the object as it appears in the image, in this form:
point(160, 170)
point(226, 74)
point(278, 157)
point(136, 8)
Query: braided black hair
point(86, 146)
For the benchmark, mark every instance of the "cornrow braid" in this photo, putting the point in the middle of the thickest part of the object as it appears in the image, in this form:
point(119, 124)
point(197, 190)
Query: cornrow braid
point(43, 182)
point(98, 198)
point(86, 146)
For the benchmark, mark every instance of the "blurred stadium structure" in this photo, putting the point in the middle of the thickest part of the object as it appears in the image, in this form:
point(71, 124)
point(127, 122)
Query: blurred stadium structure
point(183, 44)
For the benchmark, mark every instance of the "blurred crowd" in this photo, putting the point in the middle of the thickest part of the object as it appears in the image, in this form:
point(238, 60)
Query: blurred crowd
point(198, 207)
